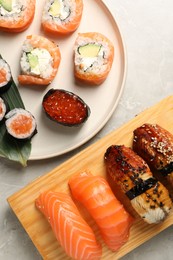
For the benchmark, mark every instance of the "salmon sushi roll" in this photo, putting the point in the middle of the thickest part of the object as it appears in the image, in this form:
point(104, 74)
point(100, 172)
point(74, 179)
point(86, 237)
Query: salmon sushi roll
point(5, 76)
point(20, 124)
point(62, 17)
point(39, 62)
point(93, 57)
point(3, 109)
point(16, 15)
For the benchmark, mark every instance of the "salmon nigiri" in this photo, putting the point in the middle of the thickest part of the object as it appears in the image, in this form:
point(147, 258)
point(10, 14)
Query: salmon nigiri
point(109, 214)
point(16, 16)
point(61, 17)
point(70, 229)
point(40, 61)
point(93, 57)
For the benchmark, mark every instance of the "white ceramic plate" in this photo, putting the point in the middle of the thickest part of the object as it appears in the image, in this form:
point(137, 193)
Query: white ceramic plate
point(53, 139)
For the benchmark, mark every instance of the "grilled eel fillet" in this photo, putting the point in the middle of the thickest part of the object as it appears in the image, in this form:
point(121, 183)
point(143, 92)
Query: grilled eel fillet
point(148, 196)
point(155, 145)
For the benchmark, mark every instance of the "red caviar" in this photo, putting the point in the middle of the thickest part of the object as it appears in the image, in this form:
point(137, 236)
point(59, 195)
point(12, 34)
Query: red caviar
point(65, 107)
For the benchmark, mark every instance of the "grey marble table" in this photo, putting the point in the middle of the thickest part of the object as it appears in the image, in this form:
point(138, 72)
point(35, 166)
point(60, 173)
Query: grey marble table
point(147, 27)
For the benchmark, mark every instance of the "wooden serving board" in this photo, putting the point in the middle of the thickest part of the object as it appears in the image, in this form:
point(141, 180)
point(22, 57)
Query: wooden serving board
point(92, 159)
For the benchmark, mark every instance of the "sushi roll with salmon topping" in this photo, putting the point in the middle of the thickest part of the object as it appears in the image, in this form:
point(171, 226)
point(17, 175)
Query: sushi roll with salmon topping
point(3, 109)
point(16, 15)
point(20, 124)
point(62, 17)
point(5, 76)
point(40, 60)
point(93, 57)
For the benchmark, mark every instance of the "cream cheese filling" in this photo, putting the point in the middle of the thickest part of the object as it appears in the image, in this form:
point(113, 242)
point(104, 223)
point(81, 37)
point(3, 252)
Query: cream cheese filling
point(16, 8)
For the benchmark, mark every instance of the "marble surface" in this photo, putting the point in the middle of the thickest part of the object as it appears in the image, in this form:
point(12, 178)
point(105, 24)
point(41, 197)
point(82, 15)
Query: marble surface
point(148, 34)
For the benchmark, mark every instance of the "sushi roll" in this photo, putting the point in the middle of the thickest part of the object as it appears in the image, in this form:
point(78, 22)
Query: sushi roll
point(5, 76)
point(62, 17)
point(20, 124)
point(65, 107)
point(93, 57)
point(16, 15)
point(3, 109)
point(39, 62)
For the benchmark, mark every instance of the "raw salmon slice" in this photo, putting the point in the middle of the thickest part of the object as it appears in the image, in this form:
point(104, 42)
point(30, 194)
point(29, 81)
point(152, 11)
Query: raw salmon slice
point(96, 195)
point(70, 229)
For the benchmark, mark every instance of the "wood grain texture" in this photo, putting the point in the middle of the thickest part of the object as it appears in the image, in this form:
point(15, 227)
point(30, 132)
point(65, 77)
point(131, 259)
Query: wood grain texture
point(23, 201)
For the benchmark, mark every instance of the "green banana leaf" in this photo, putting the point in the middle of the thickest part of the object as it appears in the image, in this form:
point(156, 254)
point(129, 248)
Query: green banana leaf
point(12, 149)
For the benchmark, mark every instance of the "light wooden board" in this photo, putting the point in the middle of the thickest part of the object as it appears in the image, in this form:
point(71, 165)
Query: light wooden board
point(92, 159)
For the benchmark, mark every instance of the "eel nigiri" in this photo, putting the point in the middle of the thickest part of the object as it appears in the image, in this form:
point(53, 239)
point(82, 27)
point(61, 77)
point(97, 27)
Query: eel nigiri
point(40, 60)
point(93, 57)
point(70, 229)
point(96, 195)
point(148, 196)
point(62, 17)
point(16, 16)
point(155, 145)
